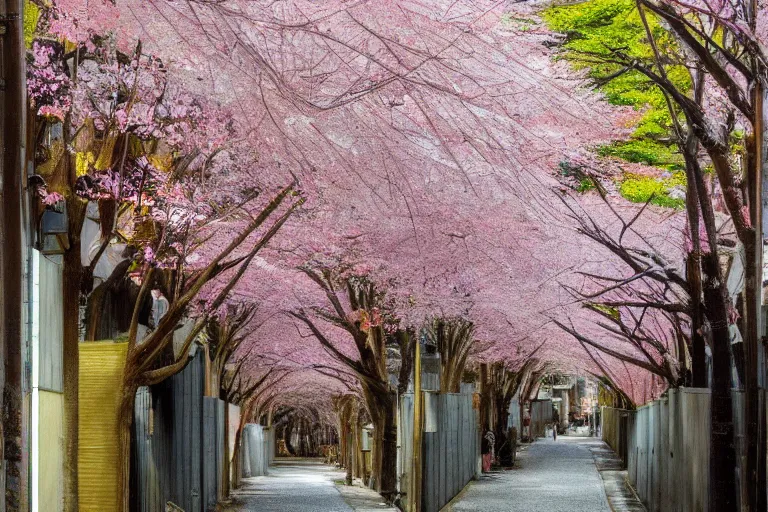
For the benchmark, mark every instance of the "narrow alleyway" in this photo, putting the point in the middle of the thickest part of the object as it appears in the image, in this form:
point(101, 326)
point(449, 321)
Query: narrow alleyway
point(556, 476)
point(293, 485)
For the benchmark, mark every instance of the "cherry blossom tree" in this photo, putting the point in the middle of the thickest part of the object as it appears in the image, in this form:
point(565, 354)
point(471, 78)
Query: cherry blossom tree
point(721, 48)
point(426, 137)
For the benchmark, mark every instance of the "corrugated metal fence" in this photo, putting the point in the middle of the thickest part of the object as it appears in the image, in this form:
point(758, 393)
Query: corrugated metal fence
point(451, 447)
point(450, 444)
point(100, 374)
point(179, 444)
point(667, 448)
point(258, 450)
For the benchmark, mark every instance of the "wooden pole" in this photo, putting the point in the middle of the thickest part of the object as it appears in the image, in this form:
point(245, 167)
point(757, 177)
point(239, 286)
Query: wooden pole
point(415, 487)
point(756, 456)
point(12, 126)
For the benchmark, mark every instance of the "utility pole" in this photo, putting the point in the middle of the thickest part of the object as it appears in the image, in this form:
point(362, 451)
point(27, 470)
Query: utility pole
point(755, 396)
point(418, 427)
point(754, 354)
point(13, 106)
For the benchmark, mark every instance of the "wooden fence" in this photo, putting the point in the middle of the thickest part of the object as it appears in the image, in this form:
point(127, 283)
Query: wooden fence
point(541, 416)
point(665, 446)
point(178, 444)
point(450, 446)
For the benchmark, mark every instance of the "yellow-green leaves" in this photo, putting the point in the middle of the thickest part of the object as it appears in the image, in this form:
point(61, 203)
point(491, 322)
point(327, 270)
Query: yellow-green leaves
point(31, 15)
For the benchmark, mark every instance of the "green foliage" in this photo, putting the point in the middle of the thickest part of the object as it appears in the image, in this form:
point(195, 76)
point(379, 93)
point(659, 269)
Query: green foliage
point(585, 185)
point(611, 311)
point(574, 171)
point(645, 151)
point(639, 189)
point(31, 15)
point(594, 30)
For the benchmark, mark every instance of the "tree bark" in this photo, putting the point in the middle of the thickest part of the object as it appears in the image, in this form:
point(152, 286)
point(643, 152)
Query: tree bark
point(722, 489)
point(72, 273)
point(753, 248)
point(226, 471)
point(381, 406)
point(237, 458)
point(14, 131)
point(124, 424)
point(388, 475)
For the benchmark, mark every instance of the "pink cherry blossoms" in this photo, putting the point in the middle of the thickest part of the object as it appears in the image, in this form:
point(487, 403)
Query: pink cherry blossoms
point(426, 137)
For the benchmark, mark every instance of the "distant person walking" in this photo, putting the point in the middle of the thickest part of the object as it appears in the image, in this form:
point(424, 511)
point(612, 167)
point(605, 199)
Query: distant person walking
point(555, 423)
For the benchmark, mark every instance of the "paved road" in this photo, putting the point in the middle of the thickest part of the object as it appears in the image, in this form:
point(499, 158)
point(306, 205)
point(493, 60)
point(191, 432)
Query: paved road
point(293, 485)
point(553, 476)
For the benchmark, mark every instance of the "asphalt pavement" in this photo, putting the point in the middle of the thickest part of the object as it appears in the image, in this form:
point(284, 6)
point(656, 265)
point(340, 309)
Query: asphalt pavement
point(555, 476)
point(293, 485)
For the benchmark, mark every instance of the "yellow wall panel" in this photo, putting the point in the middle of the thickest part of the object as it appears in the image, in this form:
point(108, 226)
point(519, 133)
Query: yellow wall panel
point(50, 492)
point(101, 371)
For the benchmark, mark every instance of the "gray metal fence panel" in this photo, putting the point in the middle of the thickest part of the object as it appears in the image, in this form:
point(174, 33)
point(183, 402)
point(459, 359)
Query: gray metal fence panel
point(695, 416)
point(256, 450)
point(221, 446)
point(405, 441)
point(668, 448)
point(653, 463)
point(178, 444)
point(450, 452)
point(210, 465)
point(675, 451)
point(245, 449)
point(450, 449)
point(662, 457)
point(51, 325)
point(632, 450)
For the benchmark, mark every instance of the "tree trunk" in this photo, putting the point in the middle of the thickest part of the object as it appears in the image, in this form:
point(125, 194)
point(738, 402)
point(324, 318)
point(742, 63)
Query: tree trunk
point(388, 478)
point(753, 290)
point(753, 274)
point(225, 476)
point(72, 273)
point(237, 462)
point(698, 354)
point(287, 433)
point(348, 456)
point(486, 399)
point(722, 482)
point(381, 405)
point(124, 424)
point(14, 131)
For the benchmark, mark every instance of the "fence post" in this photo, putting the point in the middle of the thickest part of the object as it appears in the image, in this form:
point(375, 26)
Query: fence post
point(415, 490)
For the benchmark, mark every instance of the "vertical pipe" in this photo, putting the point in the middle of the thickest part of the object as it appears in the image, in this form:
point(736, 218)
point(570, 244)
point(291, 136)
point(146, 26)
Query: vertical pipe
point(415, 491)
